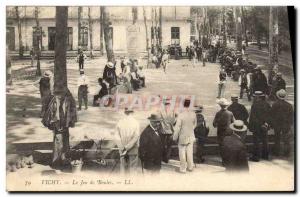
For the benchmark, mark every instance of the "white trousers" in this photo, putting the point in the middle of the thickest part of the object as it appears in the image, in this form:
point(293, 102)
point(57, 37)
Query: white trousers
point(186, 157)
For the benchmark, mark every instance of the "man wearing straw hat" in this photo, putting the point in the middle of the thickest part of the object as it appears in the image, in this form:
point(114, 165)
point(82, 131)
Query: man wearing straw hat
point(259, 124)
point(234, 150)
point(222, 120)
point(128, 132)
point(282, 120)
point(150, 147)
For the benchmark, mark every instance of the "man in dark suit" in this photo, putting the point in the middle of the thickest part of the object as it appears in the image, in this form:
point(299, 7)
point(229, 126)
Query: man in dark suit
point(258, 124)
point(282, 120)
point(150, 149)
point(239, 111)
point(260, 81)
point(234, 151)
point(222, 120)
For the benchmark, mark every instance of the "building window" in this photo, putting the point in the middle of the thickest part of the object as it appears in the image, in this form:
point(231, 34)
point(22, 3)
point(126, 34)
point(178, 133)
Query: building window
point(37, 33)
point(51, 38)
point(175, 35)
point(84, 37)
point(10, 38)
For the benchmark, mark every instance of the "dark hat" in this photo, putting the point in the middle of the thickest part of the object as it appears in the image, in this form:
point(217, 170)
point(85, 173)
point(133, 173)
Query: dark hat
point(166, 101)
point(127, 110)
point(198, 108)
point(154, 117)
point(238, 126)
point(258, 93)
point(281, 94)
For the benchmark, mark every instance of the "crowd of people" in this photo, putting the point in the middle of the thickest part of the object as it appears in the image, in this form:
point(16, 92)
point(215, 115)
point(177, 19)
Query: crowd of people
point(153, 145)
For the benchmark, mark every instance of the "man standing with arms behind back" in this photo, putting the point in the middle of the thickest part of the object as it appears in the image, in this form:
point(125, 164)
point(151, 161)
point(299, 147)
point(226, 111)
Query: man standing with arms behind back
point(128, 132)
point(185, 137)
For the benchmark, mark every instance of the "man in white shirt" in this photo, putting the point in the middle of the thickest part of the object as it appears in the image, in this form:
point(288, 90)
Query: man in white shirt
point(82, 84)
point(128, 133)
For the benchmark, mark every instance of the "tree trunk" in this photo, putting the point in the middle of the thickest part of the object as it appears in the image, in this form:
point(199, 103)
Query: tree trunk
point(224, 28)
point(273, 39)
point(108, 36)
point(38, 40)
point(238, 29)
point(60, 66)
point(160, 27)
point(21, 49)
point(244, 25)
point(134, 15)
point(79, 26)
point(147, 38)
point(90, 32)
point(101, 30)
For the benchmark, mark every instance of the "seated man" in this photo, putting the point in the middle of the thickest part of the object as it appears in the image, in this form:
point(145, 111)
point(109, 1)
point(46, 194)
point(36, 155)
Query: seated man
point(103, 91)
point(134, 81)
point(141, 76)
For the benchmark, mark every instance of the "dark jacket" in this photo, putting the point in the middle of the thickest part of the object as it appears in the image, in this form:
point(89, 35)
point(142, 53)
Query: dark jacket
point(279, 84)
point(282, 114)
point(234, 154)
point(259, 114)
point(150, 149)
point(239, 112)
point(67, 115)
point(109, 75)
point(260, 83)
point(223, 119)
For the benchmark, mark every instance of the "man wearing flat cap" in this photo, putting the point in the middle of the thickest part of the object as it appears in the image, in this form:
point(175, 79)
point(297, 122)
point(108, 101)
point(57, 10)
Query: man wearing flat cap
point(222, 120)
point(234, 151)
point(259, 124)
point(128, 132)
point(282, 120)
point(150, 147)
point(239, 111)
point(201, 133)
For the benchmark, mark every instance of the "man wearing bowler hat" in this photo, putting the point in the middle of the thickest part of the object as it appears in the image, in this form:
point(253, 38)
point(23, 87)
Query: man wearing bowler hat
point(128, 132)
point(282, 120)
point(259, 124)
point(150, 148)
point(234, 151)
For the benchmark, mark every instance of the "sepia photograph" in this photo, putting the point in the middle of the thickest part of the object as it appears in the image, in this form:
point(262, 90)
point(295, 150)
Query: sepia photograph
point(156, 98)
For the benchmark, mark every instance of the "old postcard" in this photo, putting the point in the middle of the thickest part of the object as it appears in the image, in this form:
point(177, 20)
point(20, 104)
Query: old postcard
point(150, 98)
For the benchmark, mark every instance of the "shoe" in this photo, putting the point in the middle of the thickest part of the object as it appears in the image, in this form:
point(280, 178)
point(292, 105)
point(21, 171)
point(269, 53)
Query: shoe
point(179, 171)
point(78, 109)
point(190, 170)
